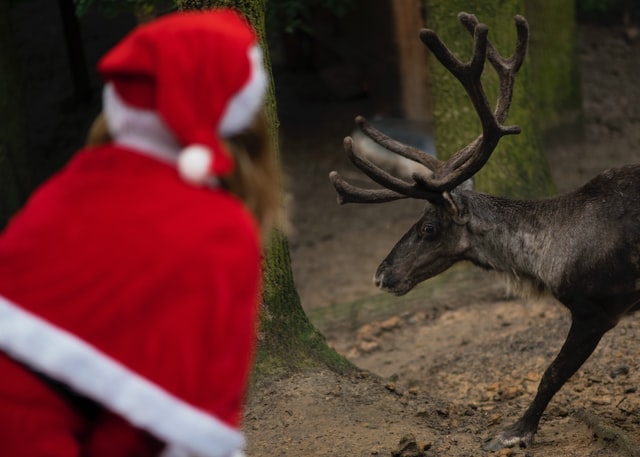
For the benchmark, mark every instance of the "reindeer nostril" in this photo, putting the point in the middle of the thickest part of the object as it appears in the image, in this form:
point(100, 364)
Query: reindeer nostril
point(377, 280)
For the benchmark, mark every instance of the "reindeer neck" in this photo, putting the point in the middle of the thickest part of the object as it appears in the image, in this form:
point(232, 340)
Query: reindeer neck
point(515, 237)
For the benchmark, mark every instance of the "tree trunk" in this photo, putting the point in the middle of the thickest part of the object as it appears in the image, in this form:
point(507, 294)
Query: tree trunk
point(287, 339)
point(553, 58)
point(518, 167)
point(14, 169)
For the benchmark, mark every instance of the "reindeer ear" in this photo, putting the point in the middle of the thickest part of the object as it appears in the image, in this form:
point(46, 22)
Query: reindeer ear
point(456, 207)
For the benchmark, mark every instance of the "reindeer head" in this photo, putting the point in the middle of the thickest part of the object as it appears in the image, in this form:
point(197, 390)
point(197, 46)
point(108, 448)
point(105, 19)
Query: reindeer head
point(440, 238)
point(433, 244)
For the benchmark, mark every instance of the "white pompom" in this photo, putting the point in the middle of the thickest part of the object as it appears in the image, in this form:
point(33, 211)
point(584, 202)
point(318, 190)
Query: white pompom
point(194, 163)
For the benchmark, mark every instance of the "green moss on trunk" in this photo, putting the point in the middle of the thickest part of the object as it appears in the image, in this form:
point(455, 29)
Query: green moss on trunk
point(518, 167)
point(553, 58)
point(288, 341)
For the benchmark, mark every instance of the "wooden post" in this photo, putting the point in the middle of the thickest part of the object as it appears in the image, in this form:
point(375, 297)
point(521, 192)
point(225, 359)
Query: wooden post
point(412, 59)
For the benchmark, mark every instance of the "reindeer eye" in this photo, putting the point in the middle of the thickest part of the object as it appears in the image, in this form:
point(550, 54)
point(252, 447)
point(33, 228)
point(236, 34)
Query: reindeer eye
point(428, 230)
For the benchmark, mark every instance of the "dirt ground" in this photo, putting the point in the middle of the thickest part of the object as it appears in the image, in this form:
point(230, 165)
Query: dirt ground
point(448, 364)
point(454, 361)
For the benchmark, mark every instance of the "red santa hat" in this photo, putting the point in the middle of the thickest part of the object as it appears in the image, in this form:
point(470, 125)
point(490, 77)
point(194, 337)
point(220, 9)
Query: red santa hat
point(182, 83)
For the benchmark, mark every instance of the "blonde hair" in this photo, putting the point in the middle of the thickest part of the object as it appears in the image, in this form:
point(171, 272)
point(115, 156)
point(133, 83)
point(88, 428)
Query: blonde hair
point(98, 132)
point(257, 178)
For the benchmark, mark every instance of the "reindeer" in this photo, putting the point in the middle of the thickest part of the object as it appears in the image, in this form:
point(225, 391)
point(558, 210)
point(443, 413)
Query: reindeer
point(582, 247)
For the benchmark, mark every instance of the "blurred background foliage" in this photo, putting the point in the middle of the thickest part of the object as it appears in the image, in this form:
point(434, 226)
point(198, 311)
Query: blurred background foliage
point(283, 15)
point(623, 12)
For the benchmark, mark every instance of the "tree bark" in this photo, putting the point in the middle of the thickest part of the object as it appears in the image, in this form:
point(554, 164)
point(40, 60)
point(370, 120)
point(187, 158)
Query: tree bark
point(14, 168)
point(518, 167)
point(287, 340)
point(555, 67)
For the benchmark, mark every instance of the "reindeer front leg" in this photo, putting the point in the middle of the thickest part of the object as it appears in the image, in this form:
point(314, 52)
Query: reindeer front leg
point(584, 335)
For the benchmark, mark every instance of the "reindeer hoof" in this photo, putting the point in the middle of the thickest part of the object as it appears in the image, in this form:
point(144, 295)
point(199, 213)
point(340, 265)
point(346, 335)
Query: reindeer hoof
point(510, 437)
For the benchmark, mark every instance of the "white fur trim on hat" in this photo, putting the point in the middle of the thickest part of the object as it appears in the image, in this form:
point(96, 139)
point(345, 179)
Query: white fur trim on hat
point(243, 107)
point(139, 129)
point(145, 132)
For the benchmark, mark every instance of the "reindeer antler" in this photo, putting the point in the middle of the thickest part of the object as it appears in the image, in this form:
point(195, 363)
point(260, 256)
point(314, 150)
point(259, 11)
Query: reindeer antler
point(445, 175)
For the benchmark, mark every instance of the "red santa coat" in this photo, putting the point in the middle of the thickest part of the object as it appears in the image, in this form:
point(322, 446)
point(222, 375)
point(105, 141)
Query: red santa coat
point(138, 291)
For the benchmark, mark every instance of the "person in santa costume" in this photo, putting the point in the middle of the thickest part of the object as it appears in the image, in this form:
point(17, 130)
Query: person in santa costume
point(130, 280)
